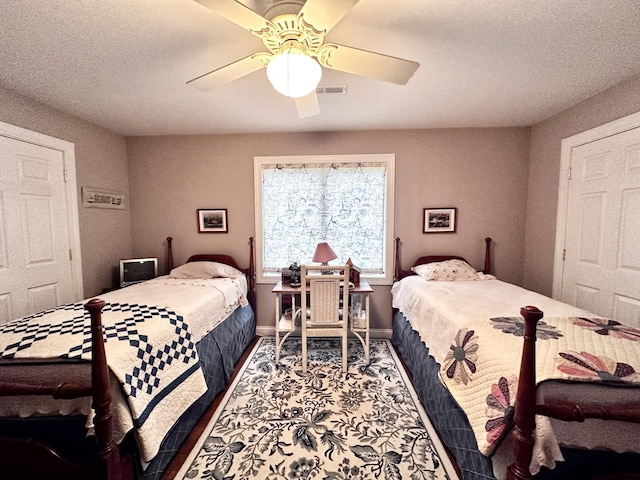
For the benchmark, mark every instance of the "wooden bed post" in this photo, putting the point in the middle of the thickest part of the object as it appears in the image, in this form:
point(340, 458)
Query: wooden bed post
point(396, 260)
point(487, 255)
point(525, 406)
point(252, 266)
point(102, 422)
point(252, 274)
point(169, 254)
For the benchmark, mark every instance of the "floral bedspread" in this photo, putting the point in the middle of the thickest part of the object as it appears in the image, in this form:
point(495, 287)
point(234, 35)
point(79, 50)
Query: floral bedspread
point(482, 365)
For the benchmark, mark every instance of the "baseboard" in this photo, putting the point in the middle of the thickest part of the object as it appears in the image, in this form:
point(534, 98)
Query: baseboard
point(270, 331)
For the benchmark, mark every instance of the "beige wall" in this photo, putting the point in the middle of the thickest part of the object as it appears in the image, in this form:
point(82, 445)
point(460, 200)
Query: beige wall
point(101, 161)
point(482, 172)
point(544, 171)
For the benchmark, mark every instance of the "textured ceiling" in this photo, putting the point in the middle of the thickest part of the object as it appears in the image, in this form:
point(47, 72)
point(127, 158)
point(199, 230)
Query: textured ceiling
point(124, 64)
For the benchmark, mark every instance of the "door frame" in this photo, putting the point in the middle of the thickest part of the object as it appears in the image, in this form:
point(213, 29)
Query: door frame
point(67, 149)
point(568, 144)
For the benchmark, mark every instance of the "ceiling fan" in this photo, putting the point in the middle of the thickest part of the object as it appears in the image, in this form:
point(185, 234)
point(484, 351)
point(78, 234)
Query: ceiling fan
point(294, 34)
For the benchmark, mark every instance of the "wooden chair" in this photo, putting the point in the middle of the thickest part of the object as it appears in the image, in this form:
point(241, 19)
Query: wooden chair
point(325, 300)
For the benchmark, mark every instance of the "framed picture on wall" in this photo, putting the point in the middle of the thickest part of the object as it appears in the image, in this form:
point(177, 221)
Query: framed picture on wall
point(439, 220)
point(212, 220)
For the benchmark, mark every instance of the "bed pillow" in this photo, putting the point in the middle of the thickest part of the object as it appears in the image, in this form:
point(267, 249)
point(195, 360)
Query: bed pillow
point(447, 270)
point(205, 270)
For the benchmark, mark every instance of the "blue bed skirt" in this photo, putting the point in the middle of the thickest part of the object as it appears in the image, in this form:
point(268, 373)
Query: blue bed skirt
point(448, 419)
point(218, 351)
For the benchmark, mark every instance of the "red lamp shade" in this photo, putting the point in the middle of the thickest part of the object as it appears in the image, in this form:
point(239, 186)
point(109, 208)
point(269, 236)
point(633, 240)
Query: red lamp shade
point(324, 254)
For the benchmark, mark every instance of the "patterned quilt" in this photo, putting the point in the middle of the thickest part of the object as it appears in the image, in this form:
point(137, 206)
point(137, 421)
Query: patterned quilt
point(482, 365)
point(149, 349)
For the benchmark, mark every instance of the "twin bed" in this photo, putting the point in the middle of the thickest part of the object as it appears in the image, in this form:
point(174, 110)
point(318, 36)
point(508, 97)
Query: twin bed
point(457, 330)
point(149, 358)
point(473, 361)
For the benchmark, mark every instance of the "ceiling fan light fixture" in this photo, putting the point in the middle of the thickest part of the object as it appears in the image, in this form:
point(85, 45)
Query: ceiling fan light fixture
point(294, 74)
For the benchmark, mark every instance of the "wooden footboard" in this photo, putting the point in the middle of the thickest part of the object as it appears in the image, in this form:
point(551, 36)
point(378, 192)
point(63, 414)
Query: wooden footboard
point(43, 460)
point(526, 408)
point(29, 458)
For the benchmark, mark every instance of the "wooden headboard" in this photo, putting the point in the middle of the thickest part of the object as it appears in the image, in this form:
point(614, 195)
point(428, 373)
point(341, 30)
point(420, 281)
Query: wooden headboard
point(399, 273)
point(250, 272)
point(216, 257)
point(213, 257)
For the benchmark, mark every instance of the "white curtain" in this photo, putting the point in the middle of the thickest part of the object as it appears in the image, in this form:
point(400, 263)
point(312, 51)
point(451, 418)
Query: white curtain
point(342, 204)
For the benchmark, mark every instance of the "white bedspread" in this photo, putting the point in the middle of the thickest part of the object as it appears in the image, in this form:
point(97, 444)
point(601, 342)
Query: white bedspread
point(438, 309)
point(456, 314)
point(202, 303)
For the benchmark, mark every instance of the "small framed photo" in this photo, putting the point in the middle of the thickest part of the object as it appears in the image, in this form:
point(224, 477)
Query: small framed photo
point(212, 220)
point(439, 220)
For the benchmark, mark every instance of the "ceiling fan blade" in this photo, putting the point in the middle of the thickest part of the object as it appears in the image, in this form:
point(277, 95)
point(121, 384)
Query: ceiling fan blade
point(307, 106)
point(324, 14)
point(238, 13)
point(368, 64)
point(231, 72)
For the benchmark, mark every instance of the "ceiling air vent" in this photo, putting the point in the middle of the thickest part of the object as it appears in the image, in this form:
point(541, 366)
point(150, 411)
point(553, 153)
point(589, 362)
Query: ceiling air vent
point(331, 90)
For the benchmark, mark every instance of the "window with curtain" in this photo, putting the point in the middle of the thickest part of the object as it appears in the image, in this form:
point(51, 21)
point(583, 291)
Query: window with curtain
point(344, 200)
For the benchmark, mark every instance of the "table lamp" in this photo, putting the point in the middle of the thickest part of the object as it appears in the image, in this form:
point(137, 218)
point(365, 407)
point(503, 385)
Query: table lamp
point(324, 255)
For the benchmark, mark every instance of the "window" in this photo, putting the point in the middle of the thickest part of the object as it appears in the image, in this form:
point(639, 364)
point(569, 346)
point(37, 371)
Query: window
point(345, 200)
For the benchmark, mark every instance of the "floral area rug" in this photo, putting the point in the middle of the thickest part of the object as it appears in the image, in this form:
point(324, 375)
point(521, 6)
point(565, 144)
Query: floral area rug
point(277, 423)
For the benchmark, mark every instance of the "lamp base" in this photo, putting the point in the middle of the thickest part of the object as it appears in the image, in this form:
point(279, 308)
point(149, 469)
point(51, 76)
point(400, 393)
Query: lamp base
point(325, 272)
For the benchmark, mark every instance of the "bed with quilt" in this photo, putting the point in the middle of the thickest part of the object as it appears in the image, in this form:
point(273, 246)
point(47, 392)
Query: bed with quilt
point(517, 384)
point(111, 387)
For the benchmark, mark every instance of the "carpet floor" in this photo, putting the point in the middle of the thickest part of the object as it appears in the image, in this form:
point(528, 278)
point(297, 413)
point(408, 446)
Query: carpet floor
point(276, 423)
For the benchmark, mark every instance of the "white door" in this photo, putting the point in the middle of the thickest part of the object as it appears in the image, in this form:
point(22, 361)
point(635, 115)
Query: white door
point(36, 271)
point(602, 242)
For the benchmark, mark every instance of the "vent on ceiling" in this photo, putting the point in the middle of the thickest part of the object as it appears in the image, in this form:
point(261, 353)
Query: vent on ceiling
point(331, 90)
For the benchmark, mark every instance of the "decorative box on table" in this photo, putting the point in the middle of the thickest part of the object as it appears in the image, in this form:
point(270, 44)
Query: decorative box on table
point(291, 275)
point(354, 273)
